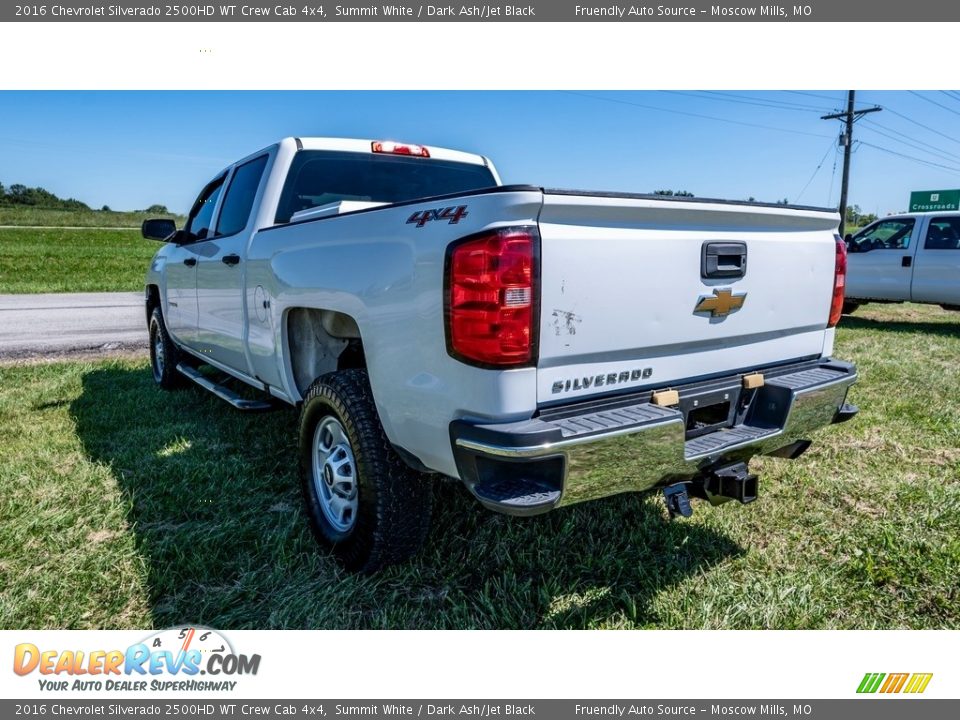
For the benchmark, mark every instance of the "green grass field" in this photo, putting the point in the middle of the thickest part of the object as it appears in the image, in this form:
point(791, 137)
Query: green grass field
point(124, 506)
point(60, 260)
point(47, 217)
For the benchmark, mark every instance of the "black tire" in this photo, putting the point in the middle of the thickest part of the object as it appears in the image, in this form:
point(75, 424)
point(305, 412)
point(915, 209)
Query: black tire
point(849, 308)
point(164, 355)
point(386, 512)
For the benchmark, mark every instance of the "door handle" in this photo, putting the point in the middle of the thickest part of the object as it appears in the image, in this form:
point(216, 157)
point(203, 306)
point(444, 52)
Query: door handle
point(907, 261)
point(190, 262)
point(231, 259)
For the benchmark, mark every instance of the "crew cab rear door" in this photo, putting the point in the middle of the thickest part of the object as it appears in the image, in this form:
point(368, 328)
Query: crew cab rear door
point(936, 272)
point(181, 266)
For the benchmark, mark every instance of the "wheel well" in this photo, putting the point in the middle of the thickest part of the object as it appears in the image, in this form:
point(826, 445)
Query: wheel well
point(153, 300)
point(321, 341)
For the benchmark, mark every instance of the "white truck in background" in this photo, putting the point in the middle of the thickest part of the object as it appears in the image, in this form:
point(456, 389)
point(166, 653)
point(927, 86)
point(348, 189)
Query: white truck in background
point(906, 258)
point(543, 347)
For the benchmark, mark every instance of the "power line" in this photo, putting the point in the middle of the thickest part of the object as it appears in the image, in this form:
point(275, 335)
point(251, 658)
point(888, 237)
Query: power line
point(758, 103)
point(819, 165)
point(920, 124)
point(952, 94)
point(833, 178)
point(935, 152)
point(911, 139)
point(910, 157)
point(816, 95)
point(771, 101)
point(696, 115)
point(934, 102)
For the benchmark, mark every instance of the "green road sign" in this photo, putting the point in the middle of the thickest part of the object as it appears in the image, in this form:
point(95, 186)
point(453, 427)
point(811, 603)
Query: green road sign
point(925, 200)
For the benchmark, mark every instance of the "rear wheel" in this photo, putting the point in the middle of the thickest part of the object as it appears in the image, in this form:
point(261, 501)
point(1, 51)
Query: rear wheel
point(164, 355)
point(362, 500)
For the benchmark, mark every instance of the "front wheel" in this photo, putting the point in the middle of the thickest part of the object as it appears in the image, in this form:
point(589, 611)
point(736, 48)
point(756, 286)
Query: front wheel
point(362, 500)
point(163, 354)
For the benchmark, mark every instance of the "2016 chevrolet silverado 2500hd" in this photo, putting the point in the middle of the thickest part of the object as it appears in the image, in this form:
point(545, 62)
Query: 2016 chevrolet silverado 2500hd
point(906, 258)
point(544, 347)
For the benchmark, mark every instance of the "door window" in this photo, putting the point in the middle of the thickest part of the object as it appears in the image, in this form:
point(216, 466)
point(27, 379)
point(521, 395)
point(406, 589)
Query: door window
point(884, 235)
point(943, 234)
point(238, 202)
point(198, 226)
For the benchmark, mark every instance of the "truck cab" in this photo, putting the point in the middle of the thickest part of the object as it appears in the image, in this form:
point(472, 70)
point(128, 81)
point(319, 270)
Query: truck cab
point(906, 258)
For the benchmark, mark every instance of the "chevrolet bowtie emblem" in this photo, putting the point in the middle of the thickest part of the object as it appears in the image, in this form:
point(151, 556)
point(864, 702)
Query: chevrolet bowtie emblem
point(721, 304)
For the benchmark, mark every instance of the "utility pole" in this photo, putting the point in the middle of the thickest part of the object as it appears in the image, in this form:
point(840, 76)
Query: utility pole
point(849, 117)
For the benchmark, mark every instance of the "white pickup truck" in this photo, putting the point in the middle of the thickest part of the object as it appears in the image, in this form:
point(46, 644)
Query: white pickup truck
point(544, 347)
point(906, 258)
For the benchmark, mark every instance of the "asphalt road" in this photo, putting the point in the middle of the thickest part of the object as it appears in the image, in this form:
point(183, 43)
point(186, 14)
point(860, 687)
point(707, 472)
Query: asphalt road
point(65, 323)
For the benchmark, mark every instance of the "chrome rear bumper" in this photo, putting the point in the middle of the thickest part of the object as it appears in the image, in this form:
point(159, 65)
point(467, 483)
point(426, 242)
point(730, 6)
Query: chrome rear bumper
point(568, 455)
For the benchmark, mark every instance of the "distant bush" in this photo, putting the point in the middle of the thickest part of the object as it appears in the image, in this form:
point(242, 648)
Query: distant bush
point(37, 197)
point(673, 193)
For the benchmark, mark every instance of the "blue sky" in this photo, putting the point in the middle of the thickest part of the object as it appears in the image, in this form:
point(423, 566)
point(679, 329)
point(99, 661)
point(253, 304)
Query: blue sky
point(129, 150)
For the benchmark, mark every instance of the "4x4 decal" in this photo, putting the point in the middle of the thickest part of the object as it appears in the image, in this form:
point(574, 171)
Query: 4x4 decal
point(451, 214)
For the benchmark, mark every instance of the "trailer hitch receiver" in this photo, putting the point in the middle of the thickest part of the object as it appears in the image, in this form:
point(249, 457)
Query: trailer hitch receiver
point(730, 482)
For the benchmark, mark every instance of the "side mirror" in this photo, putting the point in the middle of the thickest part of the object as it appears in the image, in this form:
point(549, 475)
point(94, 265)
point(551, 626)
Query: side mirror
point(158, 229)
point(848, 238)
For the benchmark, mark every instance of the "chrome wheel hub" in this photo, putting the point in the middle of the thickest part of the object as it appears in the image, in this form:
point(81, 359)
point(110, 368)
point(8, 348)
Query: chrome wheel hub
point(335, 474)
point(158, 357)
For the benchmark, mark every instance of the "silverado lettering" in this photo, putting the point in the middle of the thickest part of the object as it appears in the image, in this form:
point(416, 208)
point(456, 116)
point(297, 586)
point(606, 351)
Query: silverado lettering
point(607, 379)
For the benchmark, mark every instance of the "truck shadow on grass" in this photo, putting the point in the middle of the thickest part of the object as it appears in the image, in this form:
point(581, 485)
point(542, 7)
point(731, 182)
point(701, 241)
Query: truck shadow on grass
point(214, 504)
point(943, 329)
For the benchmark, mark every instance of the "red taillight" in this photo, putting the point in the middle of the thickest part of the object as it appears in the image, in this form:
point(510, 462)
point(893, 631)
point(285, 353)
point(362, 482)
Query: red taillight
point(399, 149)
point(491, 298)
point(839, 283)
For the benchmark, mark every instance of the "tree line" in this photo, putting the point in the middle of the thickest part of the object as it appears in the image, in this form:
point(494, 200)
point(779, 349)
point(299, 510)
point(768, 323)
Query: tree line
point(38, 197)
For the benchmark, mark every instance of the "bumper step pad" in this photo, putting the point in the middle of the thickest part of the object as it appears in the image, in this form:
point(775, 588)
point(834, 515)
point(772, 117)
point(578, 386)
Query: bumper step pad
point(717, 441)
point(517, 494)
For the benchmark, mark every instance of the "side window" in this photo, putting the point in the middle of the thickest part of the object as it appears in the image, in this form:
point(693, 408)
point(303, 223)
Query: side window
point(198, 225)
point(884, 235)
point(943, 234)
point(238, 202)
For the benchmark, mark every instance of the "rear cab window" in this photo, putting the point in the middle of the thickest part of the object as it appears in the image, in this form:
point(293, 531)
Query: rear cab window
point(238, 202)
point(322, 177)
point(943, 234)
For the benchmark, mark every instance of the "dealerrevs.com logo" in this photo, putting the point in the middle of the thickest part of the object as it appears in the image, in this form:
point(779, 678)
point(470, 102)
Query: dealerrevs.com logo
point(173, 659)
point(892, 683)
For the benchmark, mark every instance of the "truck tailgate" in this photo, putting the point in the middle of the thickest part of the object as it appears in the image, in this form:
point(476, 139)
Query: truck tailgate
point(622, 278)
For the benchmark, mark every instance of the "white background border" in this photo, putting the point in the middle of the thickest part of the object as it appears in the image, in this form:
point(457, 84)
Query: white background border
point(770, 664)
point(466, 56)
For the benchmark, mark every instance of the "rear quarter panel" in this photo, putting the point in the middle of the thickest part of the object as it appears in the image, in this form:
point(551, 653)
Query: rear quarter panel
point(387, 274)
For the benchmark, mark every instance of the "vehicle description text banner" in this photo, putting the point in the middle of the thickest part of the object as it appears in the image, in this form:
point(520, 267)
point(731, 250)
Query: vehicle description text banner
point(539, 11)
point(214, 708)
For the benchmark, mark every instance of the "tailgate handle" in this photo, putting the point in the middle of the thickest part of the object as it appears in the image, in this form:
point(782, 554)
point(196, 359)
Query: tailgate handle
point(723, 260)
